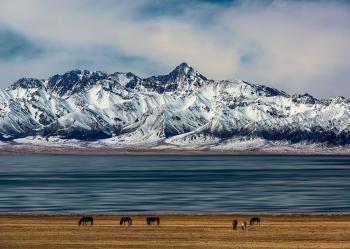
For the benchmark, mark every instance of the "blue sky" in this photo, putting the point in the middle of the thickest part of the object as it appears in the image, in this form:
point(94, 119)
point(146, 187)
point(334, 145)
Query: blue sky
point(296, 46)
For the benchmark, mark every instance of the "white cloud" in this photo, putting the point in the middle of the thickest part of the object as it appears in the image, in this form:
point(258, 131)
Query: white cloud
point(298, 46)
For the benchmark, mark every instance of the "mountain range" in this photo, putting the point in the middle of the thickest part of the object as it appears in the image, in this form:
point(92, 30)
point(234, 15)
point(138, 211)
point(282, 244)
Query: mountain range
point(182, 109)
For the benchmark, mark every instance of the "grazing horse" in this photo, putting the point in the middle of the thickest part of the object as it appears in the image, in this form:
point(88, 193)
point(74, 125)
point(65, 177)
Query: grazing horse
point(254, 221)
point(234, 224)
point(86, 219)
point(150, 220)
point(244, 225)
point(123, 220)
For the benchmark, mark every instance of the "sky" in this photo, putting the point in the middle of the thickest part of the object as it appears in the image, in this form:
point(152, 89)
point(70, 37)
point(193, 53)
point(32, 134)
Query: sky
point(293, 45)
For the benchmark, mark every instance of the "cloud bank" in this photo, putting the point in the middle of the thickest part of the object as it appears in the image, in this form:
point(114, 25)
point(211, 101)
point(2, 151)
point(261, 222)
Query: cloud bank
point(296, 46)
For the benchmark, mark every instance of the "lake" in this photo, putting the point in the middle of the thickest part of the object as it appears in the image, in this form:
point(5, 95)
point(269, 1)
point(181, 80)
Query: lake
point(174, 184)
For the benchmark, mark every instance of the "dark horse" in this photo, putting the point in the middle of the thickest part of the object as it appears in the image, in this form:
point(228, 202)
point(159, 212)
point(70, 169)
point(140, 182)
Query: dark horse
point(124, 220)
point(254, 221)
point(152, 219)
point(234, 224)
point(86, 219)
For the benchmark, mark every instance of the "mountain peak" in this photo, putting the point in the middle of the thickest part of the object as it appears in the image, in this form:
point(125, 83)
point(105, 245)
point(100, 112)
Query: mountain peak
point(183, 71)
point(183, 66)
point(182, 77)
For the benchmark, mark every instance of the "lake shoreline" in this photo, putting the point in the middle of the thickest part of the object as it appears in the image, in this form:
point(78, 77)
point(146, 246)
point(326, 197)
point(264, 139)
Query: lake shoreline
point(202, 214)
point(137, 151)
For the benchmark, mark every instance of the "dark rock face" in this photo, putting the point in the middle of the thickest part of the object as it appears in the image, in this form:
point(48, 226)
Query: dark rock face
point(74, 81)
point(133, 81)
point(27, 83)
point(304, 99)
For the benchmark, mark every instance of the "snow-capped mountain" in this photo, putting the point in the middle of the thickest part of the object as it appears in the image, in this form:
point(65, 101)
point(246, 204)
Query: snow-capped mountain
point(182, 108)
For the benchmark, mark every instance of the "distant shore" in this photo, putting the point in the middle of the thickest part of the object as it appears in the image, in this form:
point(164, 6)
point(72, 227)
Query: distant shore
point(139, 151)
point(176, 231)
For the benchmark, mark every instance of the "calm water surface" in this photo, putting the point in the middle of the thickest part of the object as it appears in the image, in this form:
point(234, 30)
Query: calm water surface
point(174, 184)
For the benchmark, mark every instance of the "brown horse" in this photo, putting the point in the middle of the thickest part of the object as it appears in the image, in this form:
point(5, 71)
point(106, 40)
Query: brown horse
point(255, 220)
point(244, 225)
point(151, 219)
point(86, 219)
point(124, 220)
point(234, 224)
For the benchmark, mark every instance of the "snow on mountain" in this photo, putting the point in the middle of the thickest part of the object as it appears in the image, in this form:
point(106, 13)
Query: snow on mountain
point(181, 109)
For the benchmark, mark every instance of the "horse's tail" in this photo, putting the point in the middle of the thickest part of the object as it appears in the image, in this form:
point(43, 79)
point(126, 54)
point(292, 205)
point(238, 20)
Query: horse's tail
point(121, 221)
point(92, 221)
point(158, 220)
point(79, 222)
point(130, 221)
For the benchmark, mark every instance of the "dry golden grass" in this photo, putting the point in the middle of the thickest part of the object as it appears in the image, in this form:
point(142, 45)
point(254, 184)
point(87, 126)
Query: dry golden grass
point(175, 231)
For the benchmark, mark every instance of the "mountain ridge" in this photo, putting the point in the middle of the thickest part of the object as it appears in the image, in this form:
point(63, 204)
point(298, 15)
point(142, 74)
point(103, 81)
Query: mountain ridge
point(180, 108)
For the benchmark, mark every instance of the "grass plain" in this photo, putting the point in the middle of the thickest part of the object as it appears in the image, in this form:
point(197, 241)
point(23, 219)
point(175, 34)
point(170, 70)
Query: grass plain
point(176, 231)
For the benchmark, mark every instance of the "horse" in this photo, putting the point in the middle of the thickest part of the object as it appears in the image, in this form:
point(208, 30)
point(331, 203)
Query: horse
point(234, 224)
point(150, 220)
point(86, 219)
point(255, 220)
point(123, 220)
point(244, 225)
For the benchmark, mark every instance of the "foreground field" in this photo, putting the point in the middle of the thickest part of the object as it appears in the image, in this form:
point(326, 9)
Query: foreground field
point(175, 231)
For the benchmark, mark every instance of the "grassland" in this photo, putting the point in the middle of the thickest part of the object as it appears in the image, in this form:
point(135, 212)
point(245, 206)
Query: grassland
point(176, 231)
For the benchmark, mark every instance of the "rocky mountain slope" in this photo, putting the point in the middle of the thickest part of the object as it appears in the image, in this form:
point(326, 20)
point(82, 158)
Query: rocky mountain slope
point(182, 108)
